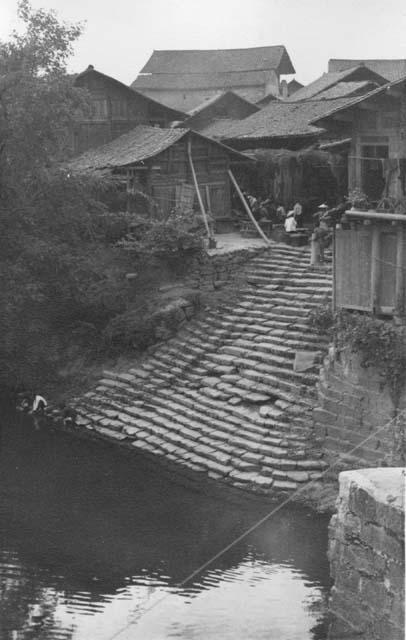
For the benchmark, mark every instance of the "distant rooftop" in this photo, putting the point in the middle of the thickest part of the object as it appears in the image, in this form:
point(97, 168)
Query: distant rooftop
point(280, 119)
point(342, 89)
point(389, 69)
point(219, 60)
point(327, 80)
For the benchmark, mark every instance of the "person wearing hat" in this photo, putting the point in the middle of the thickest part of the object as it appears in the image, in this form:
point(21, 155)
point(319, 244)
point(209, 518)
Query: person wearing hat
point(290, 222)
point(321, 210)
point(321, 236)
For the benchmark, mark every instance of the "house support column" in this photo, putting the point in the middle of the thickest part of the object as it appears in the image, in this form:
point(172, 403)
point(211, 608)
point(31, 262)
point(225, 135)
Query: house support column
point(400, 275)
point(375, 268)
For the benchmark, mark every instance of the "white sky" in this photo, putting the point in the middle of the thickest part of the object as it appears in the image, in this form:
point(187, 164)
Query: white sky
point(120, 34)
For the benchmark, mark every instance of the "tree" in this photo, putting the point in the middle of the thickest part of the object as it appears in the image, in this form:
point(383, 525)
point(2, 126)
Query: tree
point(52, 261)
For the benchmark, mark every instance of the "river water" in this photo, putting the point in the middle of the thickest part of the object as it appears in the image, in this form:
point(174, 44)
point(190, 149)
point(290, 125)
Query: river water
point(93, 546)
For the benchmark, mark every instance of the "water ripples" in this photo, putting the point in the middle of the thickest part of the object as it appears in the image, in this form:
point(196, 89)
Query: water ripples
point(85, 551)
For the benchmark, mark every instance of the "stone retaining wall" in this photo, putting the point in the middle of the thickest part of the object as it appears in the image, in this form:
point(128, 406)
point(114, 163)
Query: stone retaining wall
point(353, 402)
point(366, 552)
point(212, 272)
point(206, 276)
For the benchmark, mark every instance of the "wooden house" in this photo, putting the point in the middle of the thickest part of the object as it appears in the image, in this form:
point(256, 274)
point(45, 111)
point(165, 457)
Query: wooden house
point(115, 108)
point(375, 127)
point(370, 249)
point(168, 165)
point(184, 79)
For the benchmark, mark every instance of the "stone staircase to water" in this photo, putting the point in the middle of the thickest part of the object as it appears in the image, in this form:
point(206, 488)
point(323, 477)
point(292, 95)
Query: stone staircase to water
point(223, 397)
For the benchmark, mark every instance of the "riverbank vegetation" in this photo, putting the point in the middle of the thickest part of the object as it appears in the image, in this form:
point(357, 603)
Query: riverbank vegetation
point(64, 249)
point(379, 343)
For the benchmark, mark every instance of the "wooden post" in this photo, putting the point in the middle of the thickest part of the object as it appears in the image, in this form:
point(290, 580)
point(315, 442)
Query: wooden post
point(400, 266)
point(248, 210)
point(207, 189)
point(334, 298)
point(375, 268)
point(314, 250)
point(212, 242)
point(128, 190)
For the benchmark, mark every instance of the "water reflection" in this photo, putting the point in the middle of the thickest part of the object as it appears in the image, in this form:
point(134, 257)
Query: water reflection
point(89, 539)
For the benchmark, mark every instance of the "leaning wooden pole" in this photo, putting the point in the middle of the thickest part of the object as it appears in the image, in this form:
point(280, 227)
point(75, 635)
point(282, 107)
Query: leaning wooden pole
point(248, 210)
point(212, 242)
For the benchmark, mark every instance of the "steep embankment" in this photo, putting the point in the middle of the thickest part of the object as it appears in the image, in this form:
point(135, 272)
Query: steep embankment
point(231, 396)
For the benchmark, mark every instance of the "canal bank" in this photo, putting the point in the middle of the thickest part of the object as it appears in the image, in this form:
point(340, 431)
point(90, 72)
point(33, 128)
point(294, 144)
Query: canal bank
point(230, 397)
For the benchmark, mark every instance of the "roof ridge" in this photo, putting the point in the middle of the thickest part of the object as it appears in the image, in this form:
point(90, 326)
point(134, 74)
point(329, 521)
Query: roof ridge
point(370, 59)
point(265, 46)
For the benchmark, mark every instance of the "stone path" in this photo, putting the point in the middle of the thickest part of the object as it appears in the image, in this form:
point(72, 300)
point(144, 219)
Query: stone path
point(224, 397)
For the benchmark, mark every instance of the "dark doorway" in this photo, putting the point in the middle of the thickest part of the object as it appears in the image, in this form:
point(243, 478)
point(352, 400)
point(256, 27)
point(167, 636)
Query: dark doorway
point(372, 171)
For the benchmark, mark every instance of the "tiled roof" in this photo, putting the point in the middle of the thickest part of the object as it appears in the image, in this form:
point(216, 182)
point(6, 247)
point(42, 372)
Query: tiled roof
point(136, 146)
point(218, 129)
point(266, 100)
point(389, 69)
point(330, 79)
point(343, 89)
point(219, 60)
point(280, 119)
point(295, 84)
point(207, 102)
point(353, 101)
point(208, 80)
point(220, 97)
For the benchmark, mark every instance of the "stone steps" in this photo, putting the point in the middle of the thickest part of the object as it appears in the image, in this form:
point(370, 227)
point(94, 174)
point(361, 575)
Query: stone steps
point(222, 397)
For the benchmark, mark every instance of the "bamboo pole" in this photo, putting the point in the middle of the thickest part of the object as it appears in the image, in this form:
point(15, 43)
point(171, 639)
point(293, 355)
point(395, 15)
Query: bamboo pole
point(248, 210)
point(212, 242)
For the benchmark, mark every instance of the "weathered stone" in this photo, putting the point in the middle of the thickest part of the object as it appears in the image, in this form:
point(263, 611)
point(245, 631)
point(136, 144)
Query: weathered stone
point(110, 433)
point(244, 465)
point(298, 476)
point(284, 485)
point(367, 559)
point(270, 411)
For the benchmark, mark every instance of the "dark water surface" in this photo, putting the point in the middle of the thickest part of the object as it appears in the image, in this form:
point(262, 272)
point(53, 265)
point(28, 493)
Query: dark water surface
point(92, 540)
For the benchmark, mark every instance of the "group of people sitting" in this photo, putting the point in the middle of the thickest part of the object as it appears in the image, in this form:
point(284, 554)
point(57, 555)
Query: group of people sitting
point(322, 220)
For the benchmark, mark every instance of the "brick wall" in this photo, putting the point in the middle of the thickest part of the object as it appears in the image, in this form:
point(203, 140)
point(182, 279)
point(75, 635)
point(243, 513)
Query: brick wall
point(353, 402)
point(366, 552)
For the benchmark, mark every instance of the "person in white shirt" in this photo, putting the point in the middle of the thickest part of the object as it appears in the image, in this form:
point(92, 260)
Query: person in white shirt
point(39, 404)
point(290, 222)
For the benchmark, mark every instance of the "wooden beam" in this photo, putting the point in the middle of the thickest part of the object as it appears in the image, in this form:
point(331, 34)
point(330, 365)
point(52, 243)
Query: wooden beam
point(248, 210)
point(376, 215)
point(212, 242)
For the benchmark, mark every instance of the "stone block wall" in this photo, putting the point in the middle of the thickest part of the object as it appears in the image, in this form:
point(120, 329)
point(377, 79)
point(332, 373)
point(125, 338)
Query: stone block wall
point(366, 552)
point(208, 273)
point(353, 403)
point(204, 277)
